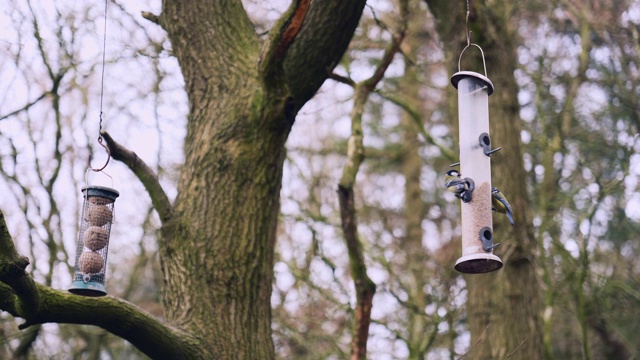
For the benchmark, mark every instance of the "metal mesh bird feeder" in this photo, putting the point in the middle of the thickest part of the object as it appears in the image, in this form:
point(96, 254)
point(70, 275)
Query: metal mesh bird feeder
point(97, 216)
point(93, 241)
point(475, 163)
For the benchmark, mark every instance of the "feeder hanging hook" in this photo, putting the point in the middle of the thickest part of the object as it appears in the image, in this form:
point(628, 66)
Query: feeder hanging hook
point(469, 44)
point(101, 142)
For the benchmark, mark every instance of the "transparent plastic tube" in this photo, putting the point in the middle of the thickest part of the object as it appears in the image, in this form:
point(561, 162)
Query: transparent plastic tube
point(477, 222)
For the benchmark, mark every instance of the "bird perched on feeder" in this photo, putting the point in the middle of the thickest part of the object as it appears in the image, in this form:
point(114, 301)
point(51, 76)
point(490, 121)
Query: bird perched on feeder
point(500, 204)
point(461, 188)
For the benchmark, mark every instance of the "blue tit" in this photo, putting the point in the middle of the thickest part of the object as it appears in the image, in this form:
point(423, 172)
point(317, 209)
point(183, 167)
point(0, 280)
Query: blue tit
point(500, 204)
point(459, 187)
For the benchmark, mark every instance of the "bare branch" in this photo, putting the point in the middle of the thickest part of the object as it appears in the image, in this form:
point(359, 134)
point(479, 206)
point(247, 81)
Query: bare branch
point(56, 79)
point(417, 120)
point(151, 17)
point(387, 58)
point(26, 107)
point(144, 173)
point(475, 343)
point(342, 79)
point(26, 342)
point(365, 287)
point(516, 349)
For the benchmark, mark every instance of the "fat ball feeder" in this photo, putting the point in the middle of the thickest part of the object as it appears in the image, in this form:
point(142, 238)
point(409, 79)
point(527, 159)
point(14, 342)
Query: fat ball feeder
point(96, 219)
point(93, 241)
point(474, 90)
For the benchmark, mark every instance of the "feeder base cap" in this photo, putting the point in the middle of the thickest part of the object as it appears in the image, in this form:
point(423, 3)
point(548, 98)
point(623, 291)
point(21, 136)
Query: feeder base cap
point(93, 289)
point(478, 263)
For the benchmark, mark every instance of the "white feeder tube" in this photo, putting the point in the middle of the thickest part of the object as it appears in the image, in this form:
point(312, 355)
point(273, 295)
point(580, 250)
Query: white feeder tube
point(473, 109)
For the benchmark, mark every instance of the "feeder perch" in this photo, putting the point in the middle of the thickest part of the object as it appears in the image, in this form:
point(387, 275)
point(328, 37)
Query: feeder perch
point(93, 241)
point(485, 143)
point(475, 163)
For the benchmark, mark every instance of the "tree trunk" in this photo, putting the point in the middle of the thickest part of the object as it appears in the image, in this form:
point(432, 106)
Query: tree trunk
point(217, 250)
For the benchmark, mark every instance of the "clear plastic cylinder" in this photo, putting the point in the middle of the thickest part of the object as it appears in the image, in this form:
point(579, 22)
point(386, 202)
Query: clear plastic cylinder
point(477, 223)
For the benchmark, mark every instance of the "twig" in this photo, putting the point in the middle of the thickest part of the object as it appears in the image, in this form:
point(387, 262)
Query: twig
point(516, 349)
point(342, 79)
point(475, 343)
point(26, 107)
point(151, 17)
point(416, 117)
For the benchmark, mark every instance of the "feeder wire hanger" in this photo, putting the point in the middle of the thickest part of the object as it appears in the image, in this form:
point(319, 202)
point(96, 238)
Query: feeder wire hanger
point(469, 43)
point(104, 50)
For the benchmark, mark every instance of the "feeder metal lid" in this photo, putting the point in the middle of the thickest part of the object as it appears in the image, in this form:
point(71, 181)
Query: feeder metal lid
point(455, 79)
point(100, 191)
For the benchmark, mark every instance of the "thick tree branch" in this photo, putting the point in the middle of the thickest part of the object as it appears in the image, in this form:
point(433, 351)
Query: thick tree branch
point(322, 40)
point(119, 317)
point(280, 38)
point(22, 297)
point(8, 300)
point(144, 173)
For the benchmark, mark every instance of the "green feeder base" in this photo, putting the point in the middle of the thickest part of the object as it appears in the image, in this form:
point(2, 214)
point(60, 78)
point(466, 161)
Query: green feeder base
point(91, 288)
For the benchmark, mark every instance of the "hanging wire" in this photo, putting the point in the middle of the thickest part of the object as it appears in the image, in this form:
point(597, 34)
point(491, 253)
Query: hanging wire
point(466, 23)
point(104, 51)
point(469, 43)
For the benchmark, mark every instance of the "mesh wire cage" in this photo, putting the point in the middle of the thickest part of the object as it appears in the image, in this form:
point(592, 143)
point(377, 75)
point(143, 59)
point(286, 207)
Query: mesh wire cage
point(93, 241)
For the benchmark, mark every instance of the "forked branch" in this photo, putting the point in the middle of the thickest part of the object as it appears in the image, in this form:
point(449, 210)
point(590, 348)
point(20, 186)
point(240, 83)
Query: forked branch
point(364, 286)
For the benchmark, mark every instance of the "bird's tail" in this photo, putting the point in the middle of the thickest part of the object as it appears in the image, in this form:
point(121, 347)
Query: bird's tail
point(510, 218)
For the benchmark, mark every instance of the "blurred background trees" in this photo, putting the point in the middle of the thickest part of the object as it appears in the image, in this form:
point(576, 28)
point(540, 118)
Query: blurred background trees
point(575, 66)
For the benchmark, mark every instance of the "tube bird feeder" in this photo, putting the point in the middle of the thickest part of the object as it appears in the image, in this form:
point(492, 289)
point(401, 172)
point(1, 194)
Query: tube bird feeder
point(93, 241)
point(475, 163)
